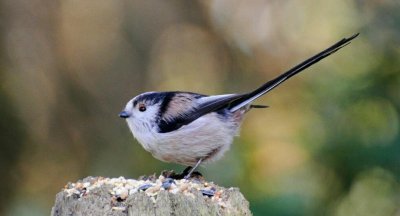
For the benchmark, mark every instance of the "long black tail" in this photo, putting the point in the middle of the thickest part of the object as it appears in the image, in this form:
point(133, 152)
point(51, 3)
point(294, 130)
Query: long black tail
point(248, 98)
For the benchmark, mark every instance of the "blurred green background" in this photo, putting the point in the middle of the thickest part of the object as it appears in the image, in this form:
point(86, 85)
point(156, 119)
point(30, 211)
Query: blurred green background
point(328, 145)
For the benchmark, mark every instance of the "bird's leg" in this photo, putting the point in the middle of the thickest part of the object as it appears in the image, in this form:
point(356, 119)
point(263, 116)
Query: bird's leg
point(186, 173)
point(193, 168)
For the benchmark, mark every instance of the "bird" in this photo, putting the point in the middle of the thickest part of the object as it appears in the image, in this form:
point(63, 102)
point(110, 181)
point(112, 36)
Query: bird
point(190, 128)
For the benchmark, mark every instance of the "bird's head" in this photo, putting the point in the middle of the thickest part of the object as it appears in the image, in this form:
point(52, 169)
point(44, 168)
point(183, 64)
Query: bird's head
point(143, 111)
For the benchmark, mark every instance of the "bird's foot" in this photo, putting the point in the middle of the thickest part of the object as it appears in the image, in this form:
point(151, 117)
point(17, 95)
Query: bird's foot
point(184, 175)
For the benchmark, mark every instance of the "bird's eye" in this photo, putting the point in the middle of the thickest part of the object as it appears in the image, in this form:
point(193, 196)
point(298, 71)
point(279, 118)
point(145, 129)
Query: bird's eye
point(142, 107)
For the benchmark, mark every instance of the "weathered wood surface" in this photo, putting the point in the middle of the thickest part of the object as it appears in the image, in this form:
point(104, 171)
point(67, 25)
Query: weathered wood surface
point(180, 198)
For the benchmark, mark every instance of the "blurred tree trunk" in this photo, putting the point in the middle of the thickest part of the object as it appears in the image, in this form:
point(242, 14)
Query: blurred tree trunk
point(12, 134)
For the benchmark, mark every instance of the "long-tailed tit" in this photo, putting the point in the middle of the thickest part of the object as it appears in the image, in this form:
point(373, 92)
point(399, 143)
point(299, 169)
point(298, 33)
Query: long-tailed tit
point(190, 128)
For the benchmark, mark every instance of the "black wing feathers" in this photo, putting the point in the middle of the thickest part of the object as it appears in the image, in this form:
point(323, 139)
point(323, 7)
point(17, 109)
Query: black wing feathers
point(168, 124)
point(193, 111)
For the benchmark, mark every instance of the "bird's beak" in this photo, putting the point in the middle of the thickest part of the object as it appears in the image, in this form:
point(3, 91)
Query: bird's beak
point(124, 114)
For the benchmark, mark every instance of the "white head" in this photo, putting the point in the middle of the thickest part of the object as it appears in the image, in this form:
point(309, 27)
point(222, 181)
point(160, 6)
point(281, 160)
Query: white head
point(142, 113)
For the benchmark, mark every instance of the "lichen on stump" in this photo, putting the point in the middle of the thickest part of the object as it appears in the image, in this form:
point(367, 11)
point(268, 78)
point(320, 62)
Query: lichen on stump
point(148, 196)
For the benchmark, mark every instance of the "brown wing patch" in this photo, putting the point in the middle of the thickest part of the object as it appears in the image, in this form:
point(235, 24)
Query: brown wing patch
point(179, 104)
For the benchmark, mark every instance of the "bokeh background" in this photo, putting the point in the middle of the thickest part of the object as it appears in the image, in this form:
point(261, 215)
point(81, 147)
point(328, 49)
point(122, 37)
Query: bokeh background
point(328, 145)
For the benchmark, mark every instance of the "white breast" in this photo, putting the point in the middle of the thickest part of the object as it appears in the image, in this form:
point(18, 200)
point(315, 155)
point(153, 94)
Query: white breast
point(207, 137)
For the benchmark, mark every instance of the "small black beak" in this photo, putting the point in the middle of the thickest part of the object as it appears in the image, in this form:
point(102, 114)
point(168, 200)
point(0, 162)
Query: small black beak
point(124, 114)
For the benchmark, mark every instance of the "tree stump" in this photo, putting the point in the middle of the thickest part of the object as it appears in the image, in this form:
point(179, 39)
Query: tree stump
point(148, 196)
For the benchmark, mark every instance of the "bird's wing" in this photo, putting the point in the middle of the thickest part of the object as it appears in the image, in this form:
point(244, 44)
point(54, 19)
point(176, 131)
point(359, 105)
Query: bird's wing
point(173, 119)
point(176, 115)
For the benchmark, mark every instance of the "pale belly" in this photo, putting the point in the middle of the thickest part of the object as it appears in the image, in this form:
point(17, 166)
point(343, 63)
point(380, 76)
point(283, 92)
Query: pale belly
point(199, 140)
